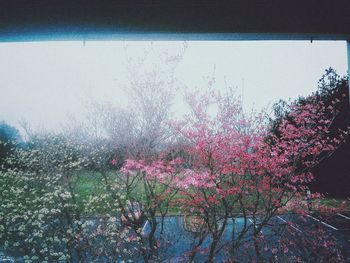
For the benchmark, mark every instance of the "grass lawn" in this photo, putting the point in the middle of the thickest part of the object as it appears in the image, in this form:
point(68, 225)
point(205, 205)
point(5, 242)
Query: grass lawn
point(87, 184)
point(90, 184)
point(336, 202)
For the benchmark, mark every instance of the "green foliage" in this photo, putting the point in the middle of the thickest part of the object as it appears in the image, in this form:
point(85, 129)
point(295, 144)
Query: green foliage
point(9, 138)
point(332, 90)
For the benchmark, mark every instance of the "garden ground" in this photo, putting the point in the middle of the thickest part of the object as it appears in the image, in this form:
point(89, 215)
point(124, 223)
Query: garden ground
point(336, 224)
point(180, 240)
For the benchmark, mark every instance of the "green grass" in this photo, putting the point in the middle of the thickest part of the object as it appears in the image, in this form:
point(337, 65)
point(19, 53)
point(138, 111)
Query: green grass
point(335, 202)
point(88, 184)
point(91, 184)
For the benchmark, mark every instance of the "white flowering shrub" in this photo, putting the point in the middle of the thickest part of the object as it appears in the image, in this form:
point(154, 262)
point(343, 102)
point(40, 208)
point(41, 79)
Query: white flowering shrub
point(33, 215)
point(41, 215)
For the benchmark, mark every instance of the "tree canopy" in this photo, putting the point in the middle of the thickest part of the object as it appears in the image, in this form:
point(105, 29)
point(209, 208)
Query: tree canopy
point(9, 137)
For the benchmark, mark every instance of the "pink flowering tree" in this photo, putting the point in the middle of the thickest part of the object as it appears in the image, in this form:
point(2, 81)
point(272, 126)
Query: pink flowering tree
point(227, 174)
point(148, 184)
point(239, 170)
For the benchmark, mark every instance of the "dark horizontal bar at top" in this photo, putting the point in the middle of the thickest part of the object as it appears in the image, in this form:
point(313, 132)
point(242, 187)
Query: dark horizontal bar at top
point(56, 35)
point(174, 19)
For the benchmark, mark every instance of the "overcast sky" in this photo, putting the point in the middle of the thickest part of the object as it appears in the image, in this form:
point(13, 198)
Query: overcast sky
point(42, 82)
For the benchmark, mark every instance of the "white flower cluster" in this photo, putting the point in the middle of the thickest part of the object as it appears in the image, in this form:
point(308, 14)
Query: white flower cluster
point(40, 212)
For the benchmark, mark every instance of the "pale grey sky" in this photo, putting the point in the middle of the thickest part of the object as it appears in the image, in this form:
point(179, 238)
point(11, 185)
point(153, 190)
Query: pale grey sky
point(42, 82)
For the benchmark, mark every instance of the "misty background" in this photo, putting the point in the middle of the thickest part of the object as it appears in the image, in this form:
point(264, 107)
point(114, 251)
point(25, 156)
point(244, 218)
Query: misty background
point(44, 83)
